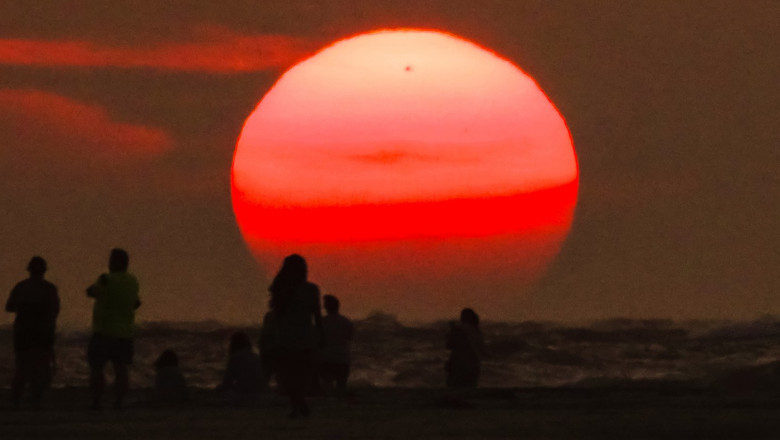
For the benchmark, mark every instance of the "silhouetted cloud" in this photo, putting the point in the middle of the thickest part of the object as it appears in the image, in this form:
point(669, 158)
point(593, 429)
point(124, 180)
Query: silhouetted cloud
point(35, 119)
point(218, 51)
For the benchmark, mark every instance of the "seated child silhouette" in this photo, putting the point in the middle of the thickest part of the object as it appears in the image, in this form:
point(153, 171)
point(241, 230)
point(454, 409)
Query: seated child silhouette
point(169, 383)
point(243, 379)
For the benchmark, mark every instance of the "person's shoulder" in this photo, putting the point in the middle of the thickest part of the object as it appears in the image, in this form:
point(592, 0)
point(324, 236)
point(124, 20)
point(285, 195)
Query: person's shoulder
point(124, 277)
point(312, 289)
point(337, 320)
point(51, 290)
point(129, 276)
point(31, 284)
point(244, 356)
point(21, 285)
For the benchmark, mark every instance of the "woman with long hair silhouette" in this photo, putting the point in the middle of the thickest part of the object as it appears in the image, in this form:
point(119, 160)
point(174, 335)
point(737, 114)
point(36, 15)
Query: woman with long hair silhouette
point(297, 329)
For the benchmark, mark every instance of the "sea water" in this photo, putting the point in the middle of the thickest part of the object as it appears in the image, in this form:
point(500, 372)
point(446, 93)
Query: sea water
point(387, 353)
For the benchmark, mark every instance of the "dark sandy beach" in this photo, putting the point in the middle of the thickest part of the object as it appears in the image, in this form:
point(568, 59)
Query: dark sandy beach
point(398, 413)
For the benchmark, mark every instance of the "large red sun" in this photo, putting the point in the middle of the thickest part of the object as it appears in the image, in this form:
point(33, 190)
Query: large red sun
point(417, 172)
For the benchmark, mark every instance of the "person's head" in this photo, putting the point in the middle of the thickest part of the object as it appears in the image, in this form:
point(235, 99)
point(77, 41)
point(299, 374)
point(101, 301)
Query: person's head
point(292, 274)
point(168, 358)
point(239, 341)
point(331, 304)
point(118, 261)
point(469, 316)
point(36, 267)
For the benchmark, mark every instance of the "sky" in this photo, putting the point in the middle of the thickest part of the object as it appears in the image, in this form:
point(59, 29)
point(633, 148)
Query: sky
point(119, 120)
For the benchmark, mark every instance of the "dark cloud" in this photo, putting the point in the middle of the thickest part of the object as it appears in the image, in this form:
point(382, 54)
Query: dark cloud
point(34, 119)
point(221, 52)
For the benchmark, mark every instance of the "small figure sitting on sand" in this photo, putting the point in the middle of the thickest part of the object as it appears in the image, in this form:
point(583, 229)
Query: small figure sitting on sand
point(466, 350)
point(334, 358)
point(169, 383)
point(243, 379)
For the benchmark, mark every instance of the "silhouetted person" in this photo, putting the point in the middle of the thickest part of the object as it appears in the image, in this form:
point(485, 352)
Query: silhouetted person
point(268, 348)
point(169, 383)
point(295, 303)
point(334, 353)
point(466, 350)
point(243, 379)
point(36, 304)
point(113, 324)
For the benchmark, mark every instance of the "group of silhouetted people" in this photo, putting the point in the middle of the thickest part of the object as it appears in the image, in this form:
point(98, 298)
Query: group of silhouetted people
point(36, 304)
point(298, 346)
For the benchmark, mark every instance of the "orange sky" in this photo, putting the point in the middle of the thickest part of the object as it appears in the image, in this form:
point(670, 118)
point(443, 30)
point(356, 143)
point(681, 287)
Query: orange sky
point(118, 124)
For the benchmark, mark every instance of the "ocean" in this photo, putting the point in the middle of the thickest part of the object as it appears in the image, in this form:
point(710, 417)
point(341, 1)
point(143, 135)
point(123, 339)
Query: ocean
point(387, 353)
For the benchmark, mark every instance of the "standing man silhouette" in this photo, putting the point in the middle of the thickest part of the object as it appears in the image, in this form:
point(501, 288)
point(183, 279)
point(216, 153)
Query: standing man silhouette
point(113, 321)
point(36, 304)
point(334, 352)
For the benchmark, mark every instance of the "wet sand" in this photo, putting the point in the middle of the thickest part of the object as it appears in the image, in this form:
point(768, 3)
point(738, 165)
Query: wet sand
point(396, 413)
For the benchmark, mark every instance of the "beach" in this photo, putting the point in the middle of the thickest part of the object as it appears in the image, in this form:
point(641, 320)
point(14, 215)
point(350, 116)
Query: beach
point(406, 413)
point(619, 379)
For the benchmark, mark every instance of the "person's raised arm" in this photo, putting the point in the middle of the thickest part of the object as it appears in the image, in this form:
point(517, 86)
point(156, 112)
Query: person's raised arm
point(96, 289)
point(92, 291)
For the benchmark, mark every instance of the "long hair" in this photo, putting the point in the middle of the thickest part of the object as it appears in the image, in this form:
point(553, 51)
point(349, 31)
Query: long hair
point(291, 276)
